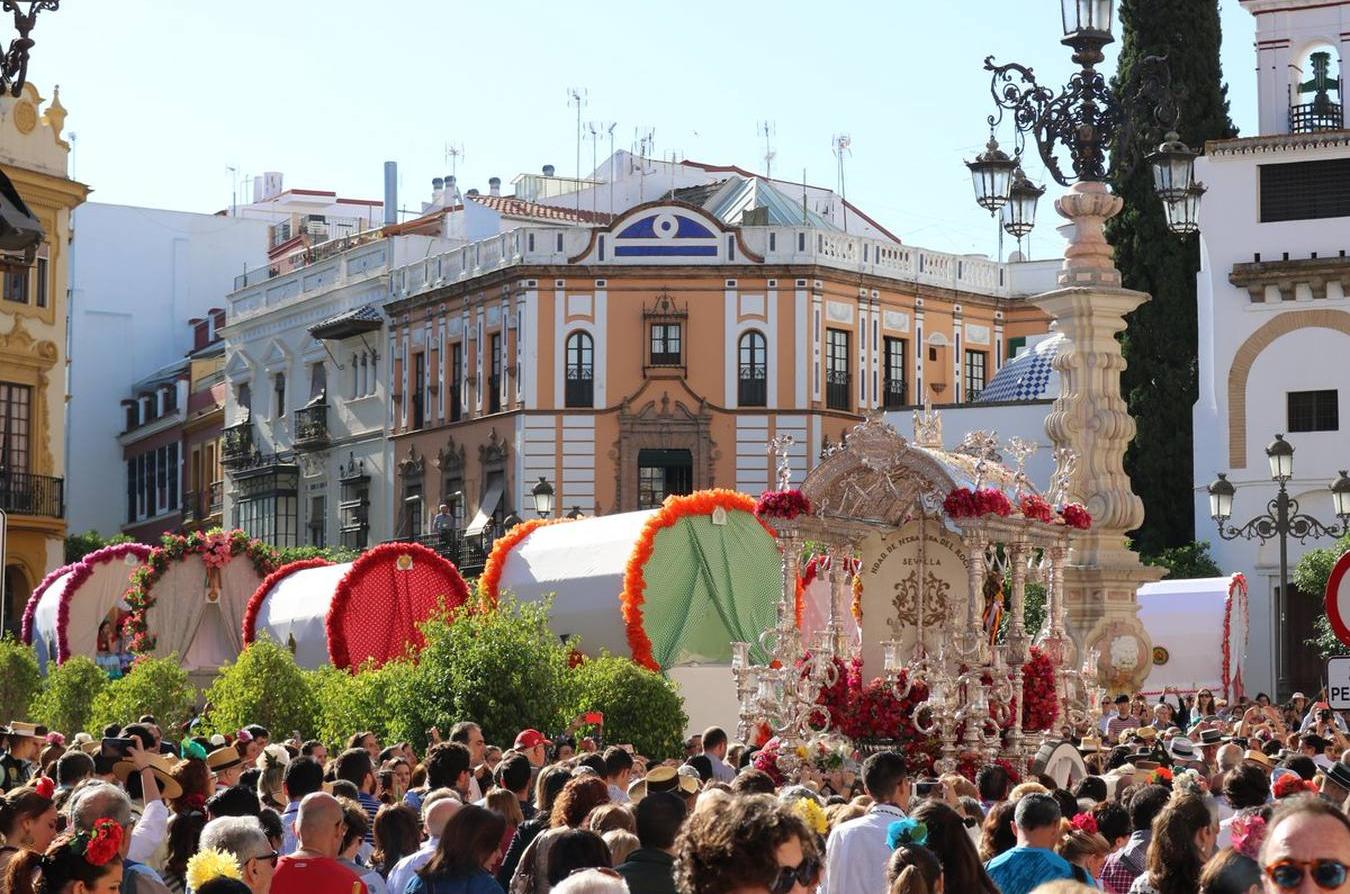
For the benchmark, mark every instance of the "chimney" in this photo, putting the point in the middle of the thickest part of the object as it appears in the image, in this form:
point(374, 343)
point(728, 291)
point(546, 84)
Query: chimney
point(494, 186)
point(472, 192)
point(437, 191)
point(390, 192)
point(451, 191)
point(268, 186)
point(548, 170)
point(201, 336)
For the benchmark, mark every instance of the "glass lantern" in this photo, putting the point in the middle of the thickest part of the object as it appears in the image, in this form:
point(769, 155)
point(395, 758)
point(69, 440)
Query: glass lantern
point(1280, 454)
point(991, 175)
point(1221, 493)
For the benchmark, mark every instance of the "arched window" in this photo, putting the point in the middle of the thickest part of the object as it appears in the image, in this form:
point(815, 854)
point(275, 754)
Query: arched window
point(580, 387)
point(753, 370)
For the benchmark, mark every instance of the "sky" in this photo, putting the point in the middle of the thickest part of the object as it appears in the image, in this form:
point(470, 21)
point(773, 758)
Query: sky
point(166, 96)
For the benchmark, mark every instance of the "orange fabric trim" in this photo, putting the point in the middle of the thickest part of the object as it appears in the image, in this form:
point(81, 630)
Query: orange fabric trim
point(672, 510)
point(490, 580)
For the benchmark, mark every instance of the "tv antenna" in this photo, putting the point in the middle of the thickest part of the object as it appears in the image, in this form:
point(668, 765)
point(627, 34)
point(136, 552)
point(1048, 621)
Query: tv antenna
point(842, 143)
point(767, 129)
point(596, 129)
point(645, 142)
point(577, 96)
point(453, 153)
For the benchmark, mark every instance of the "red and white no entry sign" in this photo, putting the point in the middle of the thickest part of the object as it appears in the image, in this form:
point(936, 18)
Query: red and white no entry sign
point(1338, 598)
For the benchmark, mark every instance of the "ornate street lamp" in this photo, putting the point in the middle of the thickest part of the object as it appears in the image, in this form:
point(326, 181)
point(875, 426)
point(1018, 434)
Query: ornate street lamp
point(543, 498)
point(14, 63)
point(1019, 214)
point(1087, 28)
point(991, 175)
point(1282, 518)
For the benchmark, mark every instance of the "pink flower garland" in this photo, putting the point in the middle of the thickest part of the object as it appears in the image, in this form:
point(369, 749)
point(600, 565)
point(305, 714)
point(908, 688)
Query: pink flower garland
point(79, 572)
point(26, 631)
point(782, 504)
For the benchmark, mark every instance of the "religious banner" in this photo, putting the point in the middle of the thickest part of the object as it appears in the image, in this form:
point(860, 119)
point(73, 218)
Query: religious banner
point(898, 600)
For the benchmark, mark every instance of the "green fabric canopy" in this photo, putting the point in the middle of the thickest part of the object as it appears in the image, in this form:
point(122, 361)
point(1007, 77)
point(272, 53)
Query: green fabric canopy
point(708, 586)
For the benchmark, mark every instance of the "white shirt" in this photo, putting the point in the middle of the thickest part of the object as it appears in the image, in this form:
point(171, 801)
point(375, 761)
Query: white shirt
point(856, 853)
point(722, 771)
point(150, 831)
point(404, 870)
point(617, 795)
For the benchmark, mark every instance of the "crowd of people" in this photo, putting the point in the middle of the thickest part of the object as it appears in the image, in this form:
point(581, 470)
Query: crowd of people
point(1188, 802)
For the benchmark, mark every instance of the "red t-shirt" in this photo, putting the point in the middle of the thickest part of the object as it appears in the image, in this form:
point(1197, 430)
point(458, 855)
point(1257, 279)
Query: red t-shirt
point(315, 875)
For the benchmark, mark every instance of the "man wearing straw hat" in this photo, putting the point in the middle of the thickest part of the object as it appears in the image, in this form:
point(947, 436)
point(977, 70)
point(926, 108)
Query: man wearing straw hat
point(23, 741)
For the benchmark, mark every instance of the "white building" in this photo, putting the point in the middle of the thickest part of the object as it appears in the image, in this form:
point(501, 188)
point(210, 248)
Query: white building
point(1274, 316)
point(139, 277)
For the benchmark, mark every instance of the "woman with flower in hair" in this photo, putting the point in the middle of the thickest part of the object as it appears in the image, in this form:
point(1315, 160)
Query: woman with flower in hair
point(84, 863)
point(27, 820)
point(913, 869)
point(1085, 848)
point(946, 837)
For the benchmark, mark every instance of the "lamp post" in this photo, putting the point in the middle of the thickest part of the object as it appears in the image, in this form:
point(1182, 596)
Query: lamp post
point(1089, 424)
point(1281, 520)
point(14, 63)
point(543, 498)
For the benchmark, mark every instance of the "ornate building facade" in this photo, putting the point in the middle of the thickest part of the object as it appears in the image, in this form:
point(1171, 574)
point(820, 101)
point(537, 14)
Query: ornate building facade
point(33, 309)
point(658, 354)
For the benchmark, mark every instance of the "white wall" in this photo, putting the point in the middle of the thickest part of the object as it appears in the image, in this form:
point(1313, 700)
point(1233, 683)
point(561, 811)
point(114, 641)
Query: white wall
point(137, 276)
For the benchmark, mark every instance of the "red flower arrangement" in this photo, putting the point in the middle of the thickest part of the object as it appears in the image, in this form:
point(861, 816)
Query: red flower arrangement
point(1075, 515)
point(969, 764)
point(489, 582)
point(79, 573)
point(766, 760)
point(782, 504)
point(965, 503)
point(1084, 822)
point(1236, 598)
point(701, 502)
point(259, 595)
point(103, 844)
point(1041, 706)
point(44, 787)
point(1035, 507)
point(1292, 784)
point(211, 546)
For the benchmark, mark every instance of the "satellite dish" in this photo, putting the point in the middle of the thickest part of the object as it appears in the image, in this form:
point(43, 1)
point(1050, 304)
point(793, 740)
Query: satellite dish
point(1061, 762)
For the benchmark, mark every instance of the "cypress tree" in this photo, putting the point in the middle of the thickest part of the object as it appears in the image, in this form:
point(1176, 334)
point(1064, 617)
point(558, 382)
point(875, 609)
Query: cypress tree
point(1160, 384)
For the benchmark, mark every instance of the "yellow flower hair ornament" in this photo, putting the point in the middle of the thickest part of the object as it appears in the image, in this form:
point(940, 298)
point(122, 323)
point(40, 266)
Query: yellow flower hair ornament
point(211, 863)
point(812, 814)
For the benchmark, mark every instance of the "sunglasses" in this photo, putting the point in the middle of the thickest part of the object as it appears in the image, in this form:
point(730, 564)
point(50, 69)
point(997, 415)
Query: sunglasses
point(270, 857)
point(1326, 874)
point(806, 874)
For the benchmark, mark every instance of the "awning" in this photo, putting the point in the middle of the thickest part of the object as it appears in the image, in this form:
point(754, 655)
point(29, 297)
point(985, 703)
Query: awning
point(491, 497)
point(20, 232)
point(349, 323)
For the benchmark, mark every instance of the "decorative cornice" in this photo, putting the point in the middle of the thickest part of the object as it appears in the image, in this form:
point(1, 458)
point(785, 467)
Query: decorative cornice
point(1282, 142)
point(1315, 273)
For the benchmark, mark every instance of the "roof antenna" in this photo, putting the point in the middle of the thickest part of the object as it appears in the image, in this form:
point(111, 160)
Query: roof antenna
point(841, 145)
point(595, 129)
point(769, 131)
point(453, 153)
point(577, 96)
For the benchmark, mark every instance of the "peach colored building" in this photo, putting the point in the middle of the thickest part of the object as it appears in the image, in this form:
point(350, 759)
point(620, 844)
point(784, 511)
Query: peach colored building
point(659, 353)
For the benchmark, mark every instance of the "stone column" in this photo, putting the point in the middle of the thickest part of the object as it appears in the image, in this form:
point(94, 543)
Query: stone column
point(1090, 418)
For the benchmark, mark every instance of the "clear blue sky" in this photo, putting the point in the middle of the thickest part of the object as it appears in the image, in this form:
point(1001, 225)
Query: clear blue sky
point(165, 95)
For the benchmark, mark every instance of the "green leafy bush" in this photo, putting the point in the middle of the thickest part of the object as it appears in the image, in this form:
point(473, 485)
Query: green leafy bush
point(378, 699)
point(334, 554)
point(641, 708)
point(19, 679)
point(157, 686)
point(80, 545)
point(67, 697)
point(264, 686)
point(503, 668)
point(1310, 576)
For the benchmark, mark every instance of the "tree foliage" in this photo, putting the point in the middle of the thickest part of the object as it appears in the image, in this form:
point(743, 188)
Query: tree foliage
point(1160, 384)
point(1310, 576)
point(157, 686)
point(641, 708)
point(502, 667)
point(67, 697)
point(264, 686)
point(19, 679)
point(335, 554)
point(379, 699)
point(1186, 561)
point(80, 545)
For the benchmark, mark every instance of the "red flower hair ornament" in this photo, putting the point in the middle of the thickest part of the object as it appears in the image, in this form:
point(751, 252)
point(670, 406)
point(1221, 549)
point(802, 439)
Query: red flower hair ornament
point(45, 787)
point(101, 846)
point(1084, 822)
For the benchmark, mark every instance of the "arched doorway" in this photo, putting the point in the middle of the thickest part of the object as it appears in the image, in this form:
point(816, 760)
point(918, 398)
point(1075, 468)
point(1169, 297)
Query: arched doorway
point(17, 589)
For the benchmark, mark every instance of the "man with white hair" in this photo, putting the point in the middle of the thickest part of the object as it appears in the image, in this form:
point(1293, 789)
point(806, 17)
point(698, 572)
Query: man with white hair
point(437, 808)
point(101, 800)
point(243, 837)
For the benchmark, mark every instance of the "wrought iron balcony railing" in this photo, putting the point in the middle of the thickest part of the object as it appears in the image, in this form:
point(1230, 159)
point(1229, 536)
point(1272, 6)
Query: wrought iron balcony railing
point(24, 493)
point(837, 382)
point(893, 394)
point(1315, 116)
point(311, 427)
point(236, 443)
point(192, 507)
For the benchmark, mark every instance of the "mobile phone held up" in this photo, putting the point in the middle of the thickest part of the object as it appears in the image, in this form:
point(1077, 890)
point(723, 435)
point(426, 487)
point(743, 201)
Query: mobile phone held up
point(117, 749)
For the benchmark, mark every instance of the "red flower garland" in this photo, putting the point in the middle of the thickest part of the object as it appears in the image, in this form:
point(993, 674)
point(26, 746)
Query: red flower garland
point(260, 595)
point(1075, 515)
point(338, 651)
point(701, 502)
point(489, 581)
point(215, 547)
point(79, 572)
point(1035, 507)
point(965, 503)
point(786, 504)
point(1237, 591)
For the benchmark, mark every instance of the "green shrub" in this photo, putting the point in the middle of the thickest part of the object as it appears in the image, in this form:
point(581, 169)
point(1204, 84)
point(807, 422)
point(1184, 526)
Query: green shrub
point(157, 686)
point(336, 554)
point(641, 708)
point(503, 668)
point(1310, 576)
point(263, 686)
point(377, 699)
point(80, 545)
point(67, 697)
point(19, 679)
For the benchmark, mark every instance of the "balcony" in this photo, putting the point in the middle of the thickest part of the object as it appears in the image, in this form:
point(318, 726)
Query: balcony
point(24, 493)
point(311, 427)
point(192, 507)
point(1316, 116)
point(893, 394)
point(579, 389)
point(837, 383)
point(200, 505)
point(468, 553)
point(494, 394)
point(215, 496)
point(236, 445)
point(752, 388)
